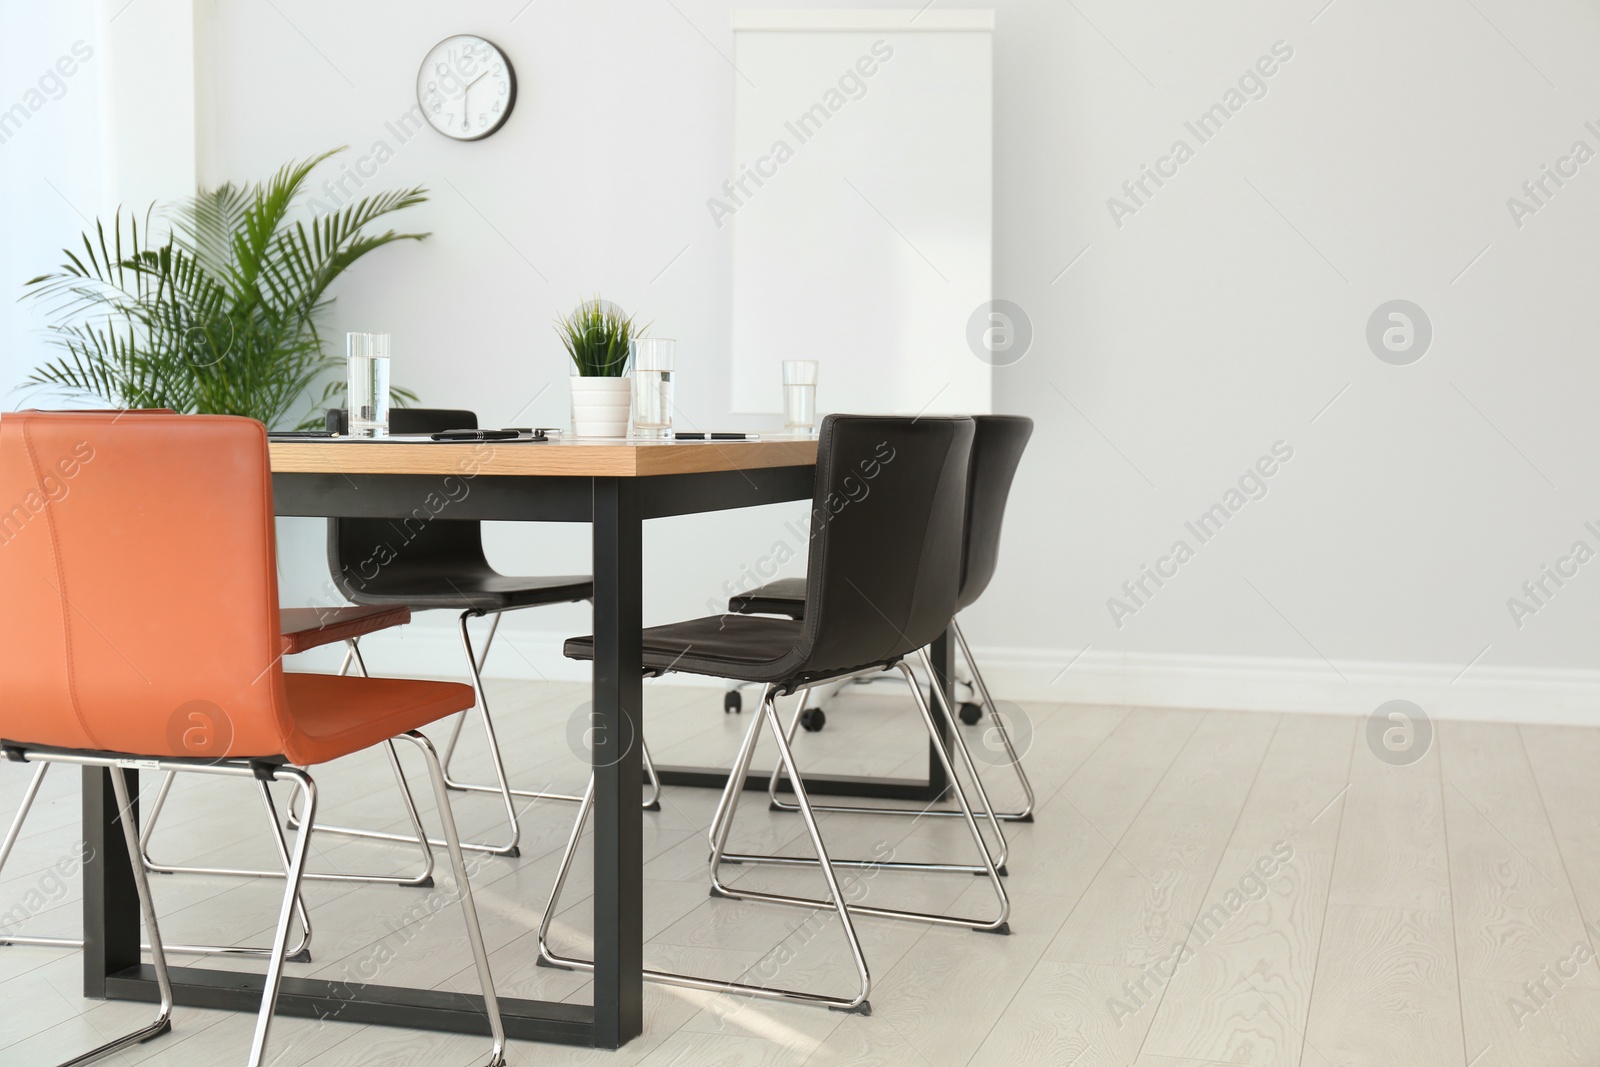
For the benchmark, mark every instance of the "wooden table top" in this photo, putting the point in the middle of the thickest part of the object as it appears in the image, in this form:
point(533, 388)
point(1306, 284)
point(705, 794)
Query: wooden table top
point(560, 457)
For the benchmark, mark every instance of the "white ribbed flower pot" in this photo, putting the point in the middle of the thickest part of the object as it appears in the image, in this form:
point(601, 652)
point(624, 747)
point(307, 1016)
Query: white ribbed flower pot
point(600, 406)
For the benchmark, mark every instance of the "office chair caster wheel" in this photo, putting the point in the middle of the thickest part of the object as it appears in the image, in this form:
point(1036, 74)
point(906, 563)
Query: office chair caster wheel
point(813, 719)
point(732, 703)
point(971, 713)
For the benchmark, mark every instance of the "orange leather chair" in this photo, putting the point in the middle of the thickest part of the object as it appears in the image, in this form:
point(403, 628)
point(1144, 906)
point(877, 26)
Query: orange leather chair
point(302, 629)
point(104, 522)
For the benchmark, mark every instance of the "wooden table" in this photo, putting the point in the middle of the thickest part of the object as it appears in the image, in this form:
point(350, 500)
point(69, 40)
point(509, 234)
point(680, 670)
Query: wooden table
point(612, 485)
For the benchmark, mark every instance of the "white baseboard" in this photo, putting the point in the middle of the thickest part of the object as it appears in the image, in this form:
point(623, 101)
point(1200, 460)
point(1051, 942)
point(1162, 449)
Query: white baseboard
point(1250, 683)
point(1246, 683)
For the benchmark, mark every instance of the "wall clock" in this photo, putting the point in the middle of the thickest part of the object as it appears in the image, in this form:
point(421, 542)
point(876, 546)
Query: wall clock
point(466, 87)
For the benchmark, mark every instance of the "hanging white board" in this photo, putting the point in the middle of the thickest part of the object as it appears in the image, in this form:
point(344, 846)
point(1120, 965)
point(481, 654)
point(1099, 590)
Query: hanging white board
point(861, 202)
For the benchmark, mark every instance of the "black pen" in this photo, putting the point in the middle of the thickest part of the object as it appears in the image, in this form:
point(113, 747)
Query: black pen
point(476, 435)
point(714, 437)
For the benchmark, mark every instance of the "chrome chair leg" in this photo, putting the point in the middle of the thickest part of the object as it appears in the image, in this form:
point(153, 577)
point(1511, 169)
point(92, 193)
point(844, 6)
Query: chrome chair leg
point(773, 802)
point(6, 846)
point(997, 859)
point(503, 788)
point(510, 848)
point(738, 773)
point(836, 900)
point(999, 727)
point(291, 897)
point(989, 866)
point(420, 838)
point(158, 957)
point(480, 953)
point(461, 719)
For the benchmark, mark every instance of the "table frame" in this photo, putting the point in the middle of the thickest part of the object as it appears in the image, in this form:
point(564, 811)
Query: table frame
point(616, 508)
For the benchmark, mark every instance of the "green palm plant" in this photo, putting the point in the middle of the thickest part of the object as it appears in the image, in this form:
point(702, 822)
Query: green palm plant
point(597, 335)
point(221, 315)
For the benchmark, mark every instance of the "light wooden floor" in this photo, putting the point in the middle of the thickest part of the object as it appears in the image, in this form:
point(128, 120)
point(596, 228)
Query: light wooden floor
point(1432, 914)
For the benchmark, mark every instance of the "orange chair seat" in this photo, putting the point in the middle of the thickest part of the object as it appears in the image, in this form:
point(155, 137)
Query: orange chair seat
point(307, 628)
point(336, 716)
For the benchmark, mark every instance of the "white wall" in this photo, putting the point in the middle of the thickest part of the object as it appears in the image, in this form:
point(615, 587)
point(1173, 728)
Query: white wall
point(1222, 317)
point(50, 172)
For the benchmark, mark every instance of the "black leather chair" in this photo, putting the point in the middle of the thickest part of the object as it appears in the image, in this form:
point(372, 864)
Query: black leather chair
point(440, 563)
point(997, 447)
point(882, 584)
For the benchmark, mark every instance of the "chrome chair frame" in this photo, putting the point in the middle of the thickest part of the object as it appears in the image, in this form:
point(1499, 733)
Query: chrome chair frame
point(259, 771)
point(836, 897)
point(722, 825)
point(981, 690)
point(301, 953)
point(992, 864)
point(141, 882)
point(1024, 814)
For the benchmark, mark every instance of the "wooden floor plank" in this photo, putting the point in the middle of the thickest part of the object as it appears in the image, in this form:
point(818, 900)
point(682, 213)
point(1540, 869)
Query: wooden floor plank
point(1386, 990)
point(1514, 909)
point(1241, 991)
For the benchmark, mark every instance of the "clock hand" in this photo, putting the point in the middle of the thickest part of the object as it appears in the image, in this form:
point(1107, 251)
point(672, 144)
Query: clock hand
point(464, 92)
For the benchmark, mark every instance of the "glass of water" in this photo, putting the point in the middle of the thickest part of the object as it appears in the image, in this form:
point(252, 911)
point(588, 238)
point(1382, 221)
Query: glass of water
point(800, 395)
point(368, 396)
point(652, 386)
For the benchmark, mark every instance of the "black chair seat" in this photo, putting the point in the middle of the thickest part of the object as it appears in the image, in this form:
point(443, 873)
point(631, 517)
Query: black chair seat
point(786, 596)
point(748, 647)
point(465, 588)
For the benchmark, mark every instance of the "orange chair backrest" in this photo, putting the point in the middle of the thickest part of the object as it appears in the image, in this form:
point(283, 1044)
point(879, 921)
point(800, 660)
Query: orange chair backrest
point(138, 586)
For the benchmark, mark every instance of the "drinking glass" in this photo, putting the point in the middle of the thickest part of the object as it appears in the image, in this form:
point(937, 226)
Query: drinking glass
point(800, 395)
point(368, 396)
point(652, 386)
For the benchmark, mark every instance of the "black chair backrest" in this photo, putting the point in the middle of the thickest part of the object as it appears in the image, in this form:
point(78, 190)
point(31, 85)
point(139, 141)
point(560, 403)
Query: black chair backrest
point(368, 556)
point(886, 538)
point(996, 451)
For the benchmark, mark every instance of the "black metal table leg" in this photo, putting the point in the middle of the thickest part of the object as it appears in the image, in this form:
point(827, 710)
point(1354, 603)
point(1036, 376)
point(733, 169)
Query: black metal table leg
point(940, 654)
point(618, 705)
point(111, 923)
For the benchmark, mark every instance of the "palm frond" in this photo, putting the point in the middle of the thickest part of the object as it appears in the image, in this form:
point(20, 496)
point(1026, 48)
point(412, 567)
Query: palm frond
point(221, 315)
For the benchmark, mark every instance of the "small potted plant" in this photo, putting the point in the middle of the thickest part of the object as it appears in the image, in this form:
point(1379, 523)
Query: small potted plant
point(598, 336)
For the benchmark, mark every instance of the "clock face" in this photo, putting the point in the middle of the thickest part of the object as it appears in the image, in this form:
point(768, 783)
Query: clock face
point(466, 87)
